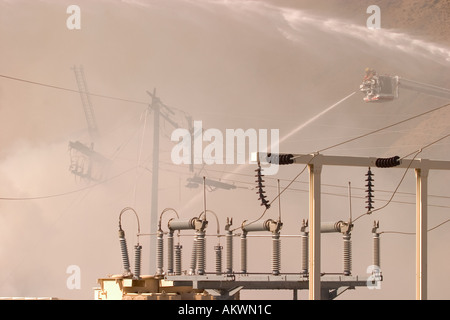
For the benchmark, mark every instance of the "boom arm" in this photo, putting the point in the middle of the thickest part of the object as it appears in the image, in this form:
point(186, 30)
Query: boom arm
point(385, 87)
point(424, 88)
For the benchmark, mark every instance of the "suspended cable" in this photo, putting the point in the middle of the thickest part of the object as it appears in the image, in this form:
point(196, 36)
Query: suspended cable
point(123, 144)
point(404, 174)
point(413, 233)
point(428, 145)
point(370, 211)
point(141, 147)
point(72, 90)
point(279, 194)
point(386, 127)
point(78, 91)
point(303, 182)
point(146, 103)
point(65, 193)
point(305, 191)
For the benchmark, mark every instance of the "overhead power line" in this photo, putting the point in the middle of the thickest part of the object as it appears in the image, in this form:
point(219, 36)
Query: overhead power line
point(146, 103)
point(78, 91)
point(65, 193)
point(413, 233)
point(386, 127)
point(72, 90)
point(403, 176)
point(428, 145)
point(302, 182)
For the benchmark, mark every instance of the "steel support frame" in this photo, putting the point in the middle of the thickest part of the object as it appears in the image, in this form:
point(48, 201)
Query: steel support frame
point(223, 287)
point(315, 171)
point(421, 232)
point(316, 161)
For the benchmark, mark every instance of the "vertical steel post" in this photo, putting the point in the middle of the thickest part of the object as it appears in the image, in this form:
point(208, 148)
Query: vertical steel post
point(421, 231)
point(155, 171)
point(314, 229)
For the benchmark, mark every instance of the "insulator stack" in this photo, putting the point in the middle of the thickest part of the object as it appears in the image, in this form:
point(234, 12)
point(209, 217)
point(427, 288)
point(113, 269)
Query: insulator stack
point(329, 227)
point(304, 237)
point(201, 252)
point(369, 190)
point(182, 224)
point(260, 187)
point(388, 162)
point(229, 241)
point(178, 249)
point(304, 245)
point(244, 252)
point(124, 251)
point(170, 253)
point(347, 257)
point(280, 159)
point(193, 257)
point(218, 251)
point(276, 253)
point(137, 261)
point(159, 252)
point(376, 250)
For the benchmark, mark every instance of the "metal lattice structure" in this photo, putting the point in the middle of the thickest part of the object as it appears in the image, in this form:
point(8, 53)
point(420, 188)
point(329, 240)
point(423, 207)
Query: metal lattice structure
point(84, 161)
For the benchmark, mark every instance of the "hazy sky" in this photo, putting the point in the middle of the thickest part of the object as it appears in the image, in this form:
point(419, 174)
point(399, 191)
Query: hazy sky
point(229, 64)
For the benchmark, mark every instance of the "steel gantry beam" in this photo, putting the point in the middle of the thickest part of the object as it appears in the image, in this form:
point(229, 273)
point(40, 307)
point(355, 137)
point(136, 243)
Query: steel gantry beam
point(315, 163)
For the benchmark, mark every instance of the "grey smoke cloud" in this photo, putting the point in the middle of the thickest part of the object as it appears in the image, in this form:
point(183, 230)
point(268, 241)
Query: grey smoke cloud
point(231, 64)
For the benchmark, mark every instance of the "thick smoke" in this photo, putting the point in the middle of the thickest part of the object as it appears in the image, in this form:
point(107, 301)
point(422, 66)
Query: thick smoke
point(231, 64)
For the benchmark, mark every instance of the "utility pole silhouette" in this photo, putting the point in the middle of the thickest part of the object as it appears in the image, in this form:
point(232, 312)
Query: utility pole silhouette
point(157, 107)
